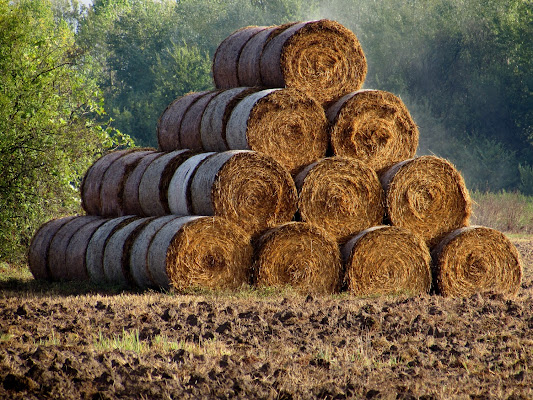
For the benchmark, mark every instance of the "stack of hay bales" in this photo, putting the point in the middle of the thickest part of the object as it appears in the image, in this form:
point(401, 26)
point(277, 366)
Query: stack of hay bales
point(287, 174)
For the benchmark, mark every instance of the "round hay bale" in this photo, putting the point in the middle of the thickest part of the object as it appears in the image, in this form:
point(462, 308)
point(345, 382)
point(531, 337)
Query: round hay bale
point(298, 254)
point(153, 187)
point(116, 257)
point(226, 59)
point(95, 249)
point(57, 254)
point(179, 189)
point(322, 58)
point(476, 259)
point(285, 124)
point(190, 134)
point(114, 179)
point(139, 251)
point(387, 260)
point(216, 115)
point(131, 203)
point(76, 252)
point(341, 195)
point(373, 126)
point(426, 195)
point(206, 252)
point(247, 187)
point(92, 181)
point(248, 68)
point(169, 123)
point(40, 245)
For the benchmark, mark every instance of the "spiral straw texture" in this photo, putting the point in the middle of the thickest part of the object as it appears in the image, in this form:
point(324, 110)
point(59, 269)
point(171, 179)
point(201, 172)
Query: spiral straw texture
point(373, 126)
point(387, 260)
point(476, 259)
point(428, 196)
point(300, 255)
point(341, 195)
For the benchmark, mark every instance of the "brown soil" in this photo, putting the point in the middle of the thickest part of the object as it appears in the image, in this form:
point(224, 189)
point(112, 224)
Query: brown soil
point(55, 343)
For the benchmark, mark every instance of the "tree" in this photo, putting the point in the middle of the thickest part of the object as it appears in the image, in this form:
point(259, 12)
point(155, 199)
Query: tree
point(48, 140)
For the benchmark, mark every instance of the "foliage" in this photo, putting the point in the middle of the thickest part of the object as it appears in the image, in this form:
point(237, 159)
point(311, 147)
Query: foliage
point(47, 139)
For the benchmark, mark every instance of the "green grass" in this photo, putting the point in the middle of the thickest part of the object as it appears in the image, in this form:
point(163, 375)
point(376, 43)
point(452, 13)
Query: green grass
point(510, 212)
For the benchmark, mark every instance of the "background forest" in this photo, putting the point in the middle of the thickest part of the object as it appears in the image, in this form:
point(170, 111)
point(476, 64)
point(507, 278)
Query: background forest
point(80, 79)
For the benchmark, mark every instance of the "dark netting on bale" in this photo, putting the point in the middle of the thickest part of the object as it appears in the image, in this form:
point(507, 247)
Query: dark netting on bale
point(387, 260)
point(299, 255)
point(373, 126)
point(476, 259)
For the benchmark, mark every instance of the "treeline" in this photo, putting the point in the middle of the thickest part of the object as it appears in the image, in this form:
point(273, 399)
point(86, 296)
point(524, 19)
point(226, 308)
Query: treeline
point(74, 77)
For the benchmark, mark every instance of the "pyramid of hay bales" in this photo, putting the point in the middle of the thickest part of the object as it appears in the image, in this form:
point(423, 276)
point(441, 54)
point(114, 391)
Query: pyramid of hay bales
point(288, 173)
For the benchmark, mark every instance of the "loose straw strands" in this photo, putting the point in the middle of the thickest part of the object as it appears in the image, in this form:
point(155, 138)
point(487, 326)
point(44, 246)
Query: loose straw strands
point(428, 196)
point(476, 259)
point(341, 195)
point(386, 260)
point(300, 255)
point(373, 126)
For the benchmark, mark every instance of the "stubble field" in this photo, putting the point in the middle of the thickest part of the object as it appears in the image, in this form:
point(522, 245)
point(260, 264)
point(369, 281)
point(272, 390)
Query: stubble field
point(83, 342)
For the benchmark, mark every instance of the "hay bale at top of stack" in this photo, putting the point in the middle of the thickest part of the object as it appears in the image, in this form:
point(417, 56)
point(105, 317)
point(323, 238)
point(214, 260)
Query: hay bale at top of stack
point(426, 195)
point(298, 254)
point(373, 126)
point(475, 259)
point(341, 195)
point(285, 124)
point(322, 58)
point(387, 260)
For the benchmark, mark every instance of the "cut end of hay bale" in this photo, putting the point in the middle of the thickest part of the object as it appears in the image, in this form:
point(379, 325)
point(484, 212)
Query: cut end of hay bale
point(322, 58)
point(250, 189)
point(341, 195)
point(210, 253)
point(300, 255)
point(476, 259)
point(428, 196)
point(387, 260)
point(373, 126)
point(285, 124)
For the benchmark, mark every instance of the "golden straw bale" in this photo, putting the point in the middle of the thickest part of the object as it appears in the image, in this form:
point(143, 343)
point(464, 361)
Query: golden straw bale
point(428, 196)
point(190, 133)
point(226, 58)
point(246, 187)
point(285, 124)
point(169, 122)
point(341, 195)
point(387, 260)
point(38, 250)
point(476, 259)
point(114, 180)
point(298, 254)
point(200, 252)
point(322, 58)
point(373, 126)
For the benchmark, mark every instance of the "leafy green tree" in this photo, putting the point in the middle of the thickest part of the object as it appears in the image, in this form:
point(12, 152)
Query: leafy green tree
point(47, 139)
